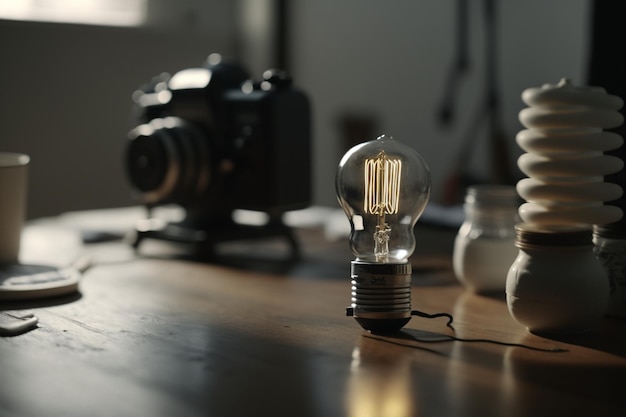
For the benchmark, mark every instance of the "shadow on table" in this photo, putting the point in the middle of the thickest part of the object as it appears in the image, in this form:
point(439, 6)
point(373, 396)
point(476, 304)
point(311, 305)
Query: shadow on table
point(40, 302)
point(609, 337)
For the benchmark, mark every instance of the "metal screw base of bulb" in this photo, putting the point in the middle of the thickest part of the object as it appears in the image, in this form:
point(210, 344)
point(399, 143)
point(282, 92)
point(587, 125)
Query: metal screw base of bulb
point(382, 326)
point(381, 295)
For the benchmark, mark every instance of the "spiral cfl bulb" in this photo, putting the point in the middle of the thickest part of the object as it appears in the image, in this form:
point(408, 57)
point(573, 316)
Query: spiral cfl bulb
point(383, 186)
point(565, 164)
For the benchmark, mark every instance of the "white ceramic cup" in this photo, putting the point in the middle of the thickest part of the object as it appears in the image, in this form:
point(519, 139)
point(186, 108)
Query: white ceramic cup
point(13, 190)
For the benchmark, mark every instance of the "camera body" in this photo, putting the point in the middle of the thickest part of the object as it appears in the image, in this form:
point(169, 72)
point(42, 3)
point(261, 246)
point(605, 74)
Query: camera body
point(211, 140)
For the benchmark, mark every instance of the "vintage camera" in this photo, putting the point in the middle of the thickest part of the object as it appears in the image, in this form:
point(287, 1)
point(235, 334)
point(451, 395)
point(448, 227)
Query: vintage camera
point(212, 141)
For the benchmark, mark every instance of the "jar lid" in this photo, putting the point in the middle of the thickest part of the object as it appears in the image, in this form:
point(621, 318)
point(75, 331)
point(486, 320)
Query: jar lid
point(492, 195)
point(610, 231)
point(528, 234)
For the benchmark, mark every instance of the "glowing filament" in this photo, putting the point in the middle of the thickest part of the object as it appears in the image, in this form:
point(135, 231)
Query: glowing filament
point(382, 185)
point(382, 196)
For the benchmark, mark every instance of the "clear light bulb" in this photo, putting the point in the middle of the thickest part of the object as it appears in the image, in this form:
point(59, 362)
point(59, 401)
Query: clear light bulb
point(383, 186)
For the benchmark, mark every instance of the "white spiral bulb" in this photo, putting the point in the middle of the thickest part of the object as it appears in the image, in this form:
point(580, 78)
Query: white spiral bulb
point(565, 163)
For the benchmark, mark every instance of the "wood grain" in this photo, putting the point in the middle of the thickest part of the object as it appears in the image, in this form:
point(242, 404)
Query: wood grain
point(156, 334)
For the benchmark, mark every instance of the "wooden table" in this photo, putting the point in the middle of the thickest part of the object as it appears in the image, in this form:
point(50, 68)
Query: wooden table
point(153, 334)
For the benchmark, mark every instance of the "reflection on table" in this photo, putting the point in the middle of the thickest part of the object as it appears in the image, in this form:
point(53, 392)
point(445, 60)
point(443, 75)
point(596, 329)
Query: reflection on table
point(156, 333)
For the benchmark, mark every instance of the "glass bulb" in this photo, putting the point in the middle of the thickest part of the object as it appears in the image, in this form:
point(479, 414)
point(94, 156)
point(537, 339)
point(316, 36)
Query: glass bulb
point(383, 186)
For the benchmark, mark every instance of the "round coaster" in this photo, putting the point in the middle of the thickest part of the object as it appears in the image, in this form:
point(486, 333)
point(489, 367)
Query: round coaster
point(27, 282)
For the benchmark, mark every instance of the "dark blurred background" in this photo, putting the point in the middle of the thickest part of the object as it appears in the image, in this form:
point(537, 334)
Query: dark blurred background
point(444, 76)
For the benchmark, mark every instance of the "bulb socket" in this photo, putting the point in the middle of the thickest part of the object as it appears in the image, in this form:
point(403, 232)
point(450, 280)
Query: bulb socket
point(381, 295)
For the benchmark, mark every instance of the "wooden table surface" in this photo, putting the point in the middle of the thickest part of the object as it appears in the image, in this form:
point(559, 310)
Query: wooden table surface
point(155, 334)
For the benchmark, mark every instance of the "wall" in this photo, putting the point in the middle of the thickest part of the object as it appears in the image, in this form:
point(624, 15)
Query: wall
point(389, 61)
point(66, 88)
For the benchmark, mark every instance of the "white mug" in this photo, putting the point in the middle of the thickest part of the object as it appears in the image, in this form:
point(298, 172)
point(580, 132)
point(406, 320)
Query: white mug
point(13, 190)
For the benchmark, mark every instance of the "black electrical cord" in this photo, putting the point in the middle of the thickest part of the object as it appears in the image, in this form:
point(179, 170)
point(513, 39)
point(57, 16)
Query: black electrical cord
point(449, 338)
point(434, 316)
point(443, 338)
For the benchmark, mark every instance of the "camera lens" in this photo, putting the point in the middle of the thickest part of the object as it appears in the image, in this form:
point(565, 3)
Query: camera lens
point(167, 161)
point(147, 165)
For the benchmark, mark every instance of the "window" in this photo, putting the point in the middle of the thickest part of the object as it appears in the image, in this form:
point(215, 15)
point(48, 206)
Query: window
point(94, 12)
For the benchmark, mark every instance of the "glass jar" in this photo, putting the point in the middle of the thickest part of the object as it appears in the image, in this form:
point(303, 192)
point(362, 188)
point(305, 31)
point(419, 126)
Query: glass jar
point(556, 284)
point(610, 249)
point(484, 247)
